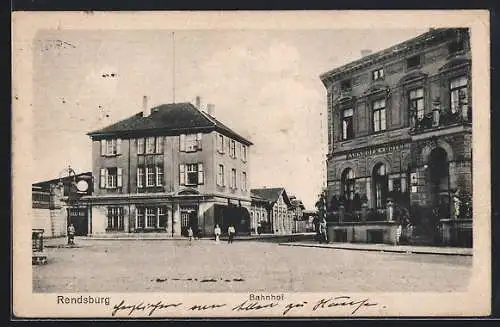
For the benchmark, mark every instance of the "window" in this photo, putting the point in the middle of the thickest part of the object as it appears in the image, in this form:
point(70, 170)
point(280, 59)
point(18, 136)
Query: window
point(220, 176)
point(348, 182)
point(233, 178)
point(150, 145)
point(191, 174)
point(413, 62)
point(159, 175)
point(190, 142)
point(153, 176)
point(110, 147)
point(381, 185)
point(458, 94)
point(347, 127)
point(244, 152)
point(379, 115)
point(345, 85)
point(378, 74)
point(456, 45)
point(159, 144)
point(232, 150)
point(244, 181)
point(140, 219)
point(111, 178)
point(150, 176)
point(220, 143)
point(140, 146)
point(140, 177)
point(417, 102)
point(115, 218)
point(151, 218)
point(162, 217)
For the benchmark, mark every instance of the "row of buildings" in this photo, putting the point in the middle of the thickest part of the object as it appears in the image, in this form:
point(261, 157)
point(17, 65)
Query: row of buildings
point(168, 168)
point(399, 152)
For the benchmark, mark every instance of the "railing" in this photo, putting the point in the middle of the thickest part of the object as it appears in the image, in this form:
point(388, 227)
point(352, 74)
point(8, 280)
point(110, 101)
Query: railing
point(437, 119)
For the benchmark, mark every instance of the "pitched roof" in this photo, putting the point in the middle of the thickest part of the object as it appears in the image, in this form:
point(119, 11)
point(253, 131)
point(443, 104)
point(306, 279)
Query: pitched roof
point(173, 118)
point(270, 194)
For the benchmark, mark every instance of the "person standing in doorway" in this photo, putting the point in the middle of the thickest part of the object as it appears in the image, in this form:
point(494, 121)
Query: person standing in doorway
point(190, 234)
point(71, 234)
point(230, 232)
point(217, 232)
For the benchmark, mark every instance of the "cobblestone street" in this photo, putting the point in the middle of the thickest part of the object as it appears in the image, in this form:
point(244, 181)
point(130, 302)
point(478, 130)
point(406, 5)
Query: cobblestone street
point(203, 266)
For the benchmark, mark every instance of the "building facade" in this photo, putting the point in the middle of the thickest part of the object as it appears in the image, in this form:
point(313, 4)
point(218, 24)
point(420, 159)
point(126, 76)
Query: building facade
point(400, 132)
point(55, 204)
point(169, 168)
point(278, 207)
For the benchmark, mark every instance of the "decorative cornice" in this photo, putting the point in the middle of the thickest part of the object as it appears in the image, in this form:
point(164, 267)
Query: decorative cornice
point(429, 38)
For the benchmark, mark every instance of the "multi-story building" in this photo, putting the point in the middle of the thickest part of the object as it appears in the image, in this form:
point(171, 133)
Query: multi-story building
point(399, 129)
point(279, 218)
point(56, 204)
point(168, 168)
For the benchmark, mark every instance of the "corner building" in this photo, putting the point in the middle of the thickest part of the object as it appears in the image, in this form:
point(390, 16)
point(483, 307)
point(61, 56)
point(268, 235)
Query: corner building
point(168, 168)
point(399, 126)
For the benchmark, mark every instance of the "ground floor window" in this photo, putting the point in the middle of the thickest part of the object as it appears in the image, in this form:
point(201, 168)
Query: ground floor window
point(115, 218)
point(380, 185)
point(151, 217)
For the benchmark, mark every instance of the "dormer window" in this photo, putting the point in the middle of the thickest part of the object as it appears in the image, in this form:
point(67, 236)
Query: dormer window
point(413, 62)
point(378, 74)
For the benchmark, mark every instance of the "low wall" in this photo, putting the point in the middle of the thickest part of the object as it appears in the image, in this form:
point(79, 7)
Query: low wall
point(363, 232)
point(456, 232)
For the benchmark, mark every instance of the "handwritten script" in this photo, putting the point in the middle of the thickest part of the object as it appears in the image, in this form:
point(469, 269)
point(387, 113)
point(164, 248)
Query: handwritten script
point(354, 305)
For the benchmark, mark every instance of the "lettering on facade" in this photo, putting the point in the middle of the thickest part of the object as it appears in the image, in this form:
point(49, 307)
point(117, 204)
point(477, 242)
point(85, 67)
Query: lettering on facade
point(374, 151)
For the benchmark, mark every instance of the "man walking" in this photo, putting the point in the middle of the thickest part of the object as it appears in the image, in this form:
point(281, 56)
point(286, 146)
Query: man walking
point(217, 232)
point(230, 232)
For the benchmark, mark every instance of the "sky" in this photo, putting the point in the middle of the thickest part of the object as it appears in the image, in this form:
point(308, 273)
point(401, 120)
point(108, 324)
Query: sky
point(264, 84)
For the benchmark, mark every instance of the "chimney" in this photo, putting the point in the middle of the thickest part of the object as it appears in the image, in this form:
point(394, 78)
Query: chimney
point(146, 111)
point(198, 102)
point(211, 109)
point(366, 52)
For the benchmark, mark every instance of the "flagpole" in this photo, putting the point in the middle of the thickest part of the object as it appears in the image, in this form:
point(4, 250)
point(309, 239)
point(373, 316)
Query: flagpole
point(173, 67)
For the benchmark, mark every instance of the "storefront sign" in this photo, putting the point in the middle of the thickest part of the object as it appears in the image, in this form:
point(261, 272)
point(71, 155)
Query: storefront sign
point(374, 151)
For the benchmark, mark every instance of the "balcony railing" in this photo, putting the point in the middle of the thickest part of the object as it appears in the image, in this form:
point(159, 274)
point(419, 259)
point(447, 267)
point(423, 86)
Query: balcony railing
point(440, 118)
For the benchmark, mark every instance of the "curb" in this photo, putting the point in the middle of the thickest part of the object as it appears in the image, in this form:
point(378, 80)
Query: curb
point(378, 250)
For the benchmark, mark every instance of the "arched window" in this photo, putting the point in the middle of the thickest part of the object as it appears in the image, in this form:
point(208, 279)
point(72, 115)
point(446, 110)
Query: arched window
point(380, 183)
point(348, 182)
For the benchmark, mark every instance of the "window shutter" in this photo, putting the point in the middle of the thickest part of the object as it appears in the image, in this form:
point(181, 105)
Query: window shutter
point(119, 177)
point(118, 146)
point(102, 183)
point(103, 147)
point(182, 142)
point(182, 175)
point(200, 174)
point(198, 141)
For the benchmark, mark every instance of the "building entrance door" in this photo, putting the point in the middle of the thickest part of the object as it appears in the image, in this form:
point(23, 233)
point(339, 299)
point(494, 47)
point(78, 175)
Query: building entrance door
point(189, 218)
point(439, 183)
point(79, 218)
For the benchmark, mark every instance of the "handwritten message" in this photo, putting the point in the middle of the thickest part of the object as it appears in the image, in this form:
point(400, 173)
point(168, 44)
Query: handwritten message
point(343, 305)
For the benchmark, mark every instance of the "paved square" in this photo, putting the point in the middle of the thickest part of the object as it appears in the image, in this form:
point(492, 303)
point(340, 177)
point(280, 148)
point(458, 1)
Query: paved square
point(244, 266)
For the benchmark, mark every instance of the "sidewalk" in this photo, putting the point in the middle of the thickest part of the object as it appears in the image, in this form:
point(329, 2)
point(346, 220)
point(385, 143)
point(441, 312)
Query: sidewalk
point(387, 248)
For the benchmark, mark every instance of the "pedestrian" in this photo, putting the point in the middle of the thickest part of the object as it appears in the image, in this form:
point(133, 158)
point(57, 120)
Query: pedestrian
point(190, 234)
point(198, 232)
point(399, 231)
point(217, 233)
point(323, 232)
point(259, 227)
point(230, 232)
point(71, 234)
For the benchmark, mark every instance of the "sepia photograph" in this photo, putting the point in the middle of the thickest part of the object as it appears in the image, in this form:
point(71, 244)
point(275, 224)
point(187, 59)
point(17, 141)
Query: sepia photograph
point(236, 164)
